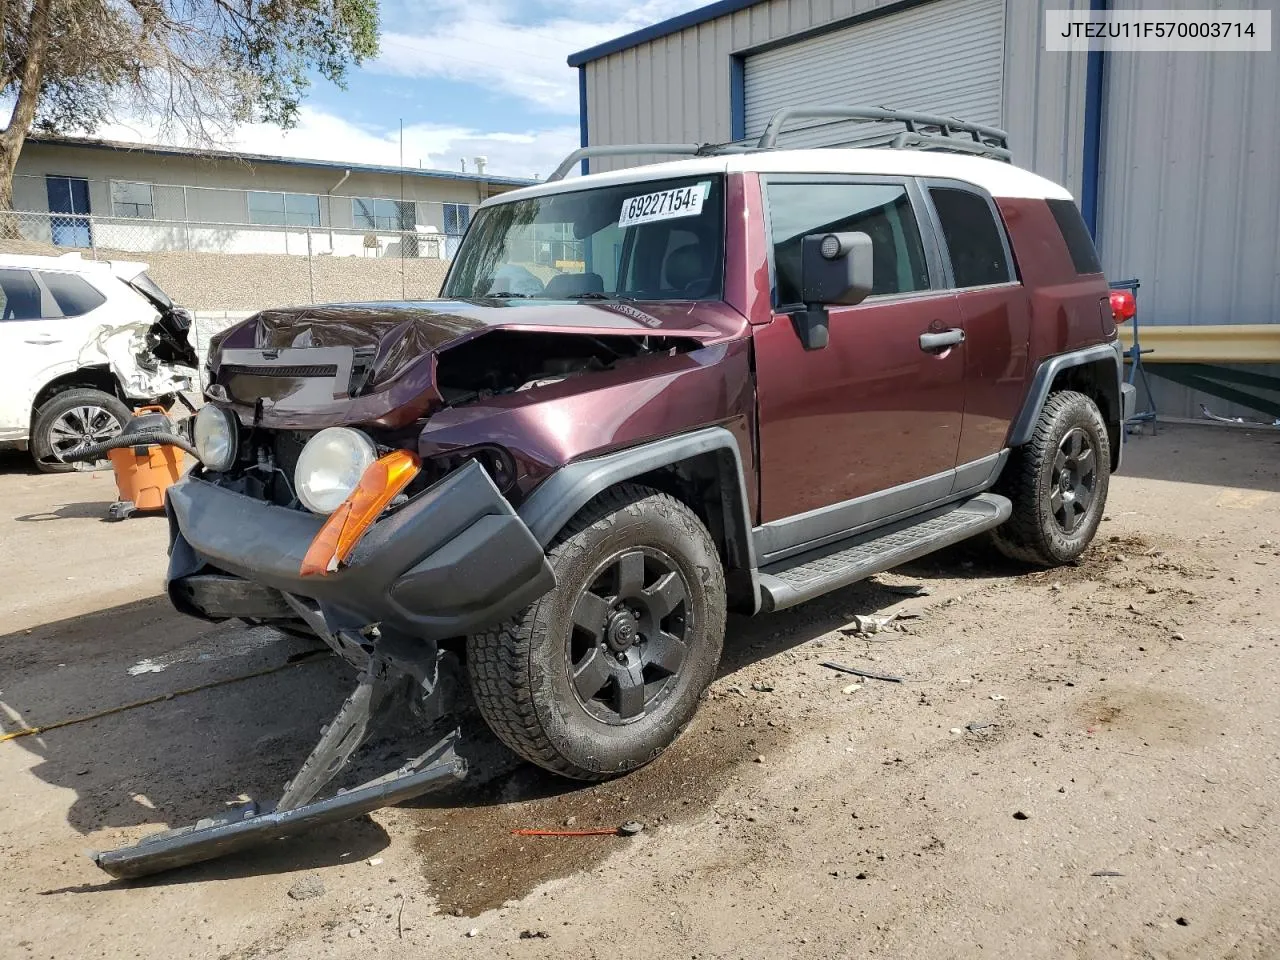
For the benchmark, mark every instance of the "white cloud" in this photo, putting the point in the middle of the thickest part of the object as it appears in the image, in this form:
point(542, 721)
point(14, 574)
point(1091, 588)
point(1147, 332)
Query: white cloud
point(486, 44)
point(320, 135)
point(489, 43)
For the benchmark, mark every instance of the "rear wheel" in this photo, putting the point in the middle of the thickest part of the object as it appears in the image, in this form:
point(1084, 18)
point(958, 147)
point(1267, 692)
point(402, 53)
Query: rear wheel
point(72, 419)
point(600, 675)
point(1058, 484)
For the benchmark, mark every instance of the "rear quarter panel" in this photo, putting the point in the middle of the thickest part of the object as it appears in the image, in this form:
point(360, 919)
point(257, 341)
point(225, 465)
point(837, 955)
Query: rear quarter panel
point(1065, 311)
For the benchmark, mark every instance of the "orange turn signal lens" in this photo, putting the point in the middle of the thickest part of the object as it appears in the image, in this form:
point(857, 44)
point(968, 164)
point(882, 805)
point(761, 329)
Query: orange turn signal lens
point(379, 485)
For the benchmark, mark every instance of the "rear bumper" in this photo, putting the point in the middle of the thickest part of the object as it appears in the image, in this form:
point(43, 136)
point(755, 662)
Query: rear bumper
point(452, 561)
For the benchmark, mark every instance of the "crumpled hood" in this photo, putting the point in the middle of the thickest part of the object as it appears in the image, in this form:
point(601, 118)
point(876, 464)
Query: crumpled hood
point(397, 334)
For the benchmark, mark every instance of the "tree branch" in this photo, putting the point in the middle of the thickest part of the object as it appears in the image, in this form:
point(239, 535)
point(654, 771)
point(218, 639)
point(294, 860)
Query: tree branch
point(24, 108)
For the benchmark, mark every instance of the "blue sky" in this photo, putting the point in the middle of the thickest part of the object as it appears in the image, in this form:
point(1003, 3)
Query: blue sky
point(468, 78)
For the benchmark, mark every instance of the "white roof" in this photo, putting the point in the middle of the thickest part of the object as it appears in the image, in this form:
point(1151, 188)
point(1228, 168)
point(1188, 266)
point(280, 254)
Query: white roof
point(997, 178)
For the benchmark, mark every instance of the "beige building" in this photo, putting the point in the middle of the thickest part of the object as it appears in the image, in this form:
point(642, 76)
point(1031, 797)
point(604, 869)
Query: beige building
point(99, 194)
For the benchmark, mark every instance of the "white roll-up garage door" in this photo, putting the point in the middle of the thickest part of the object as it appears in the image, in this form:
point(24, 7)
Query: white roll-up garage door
point(945, 57)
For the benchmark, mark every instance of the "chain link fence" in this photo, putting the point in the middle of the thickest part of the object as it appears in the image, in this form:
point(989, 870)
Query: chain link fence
point(237, 266)
point(235, 249)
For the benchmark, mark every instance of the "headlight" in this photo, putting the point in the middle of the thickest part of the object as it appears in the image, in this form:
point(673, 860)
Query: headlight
point(331, 464)
point(215, 435)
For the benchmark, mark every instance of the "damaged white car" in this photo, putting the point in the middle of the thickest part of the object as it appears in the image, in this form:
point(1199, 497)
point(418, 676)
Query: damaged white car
point(83, 343)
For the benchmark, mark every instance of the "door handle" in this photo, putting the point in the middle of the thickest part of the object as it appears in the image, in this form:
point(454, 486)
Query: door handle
point(937, 342)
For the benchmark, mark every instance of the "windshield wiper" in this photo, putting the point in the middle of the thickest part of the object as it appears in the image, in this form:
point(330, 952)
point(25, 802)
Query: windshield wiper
point(594, 295)
point(506, 295)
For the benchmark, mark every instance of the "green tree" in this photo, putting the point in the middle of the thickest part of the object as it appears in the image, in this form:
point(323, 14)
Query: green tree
point(194, 67)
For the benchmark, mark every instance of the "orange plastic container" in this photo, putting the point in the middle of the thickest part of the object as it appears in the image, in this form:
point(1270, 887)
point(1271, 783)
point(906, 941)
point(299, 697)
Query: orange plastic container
point(143, 477)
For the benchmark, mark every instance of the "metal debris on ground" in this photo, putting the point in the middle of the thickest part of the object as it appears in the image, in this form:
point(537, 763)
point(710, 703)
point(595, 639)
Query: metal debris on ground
point(905, 589)
point(1106, 873)
point(861, 673)
point(628, 829)
point(759, 687)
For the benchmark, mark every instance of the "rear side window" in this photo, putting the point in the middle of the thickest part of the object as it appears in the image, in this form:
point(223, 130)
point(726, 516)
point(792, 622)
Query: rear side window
point(21, 295)
point(972, 236)
point(73, 295)
point(882, 211)
point(1079, 244)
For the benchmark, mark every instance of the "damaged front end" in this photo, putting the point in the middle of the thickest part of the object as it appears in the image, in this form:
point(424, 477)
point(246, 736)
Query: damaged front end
point(484, 407)
point(133, 354)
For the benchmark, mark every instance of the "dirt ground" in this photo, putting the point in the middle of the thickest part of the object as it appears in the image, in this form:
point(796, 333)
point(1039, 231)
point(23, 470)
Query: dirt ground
point(1079, 763)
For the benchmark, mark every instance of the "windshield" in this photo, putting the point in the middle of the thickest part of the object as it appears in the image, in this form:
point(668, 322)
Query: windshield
point(656, 240)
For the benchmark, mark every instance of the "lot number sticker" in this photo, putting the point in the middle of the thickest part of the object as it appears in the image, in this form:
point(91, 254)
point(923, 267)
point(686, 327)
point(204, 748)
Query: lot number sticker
point(663, 205)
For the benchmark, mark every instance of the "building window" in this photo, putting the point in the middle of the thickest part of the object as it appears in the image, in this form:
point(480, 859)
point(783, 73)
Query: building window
point(132, 200)
point(284, 209)
point(373, 214)
point(457, 216)
point(973, 238)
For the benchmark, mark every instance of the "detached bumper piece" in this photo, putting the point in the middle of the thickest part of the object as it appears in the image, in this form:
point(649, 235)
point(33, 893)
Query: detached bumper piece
point(249, 825)
point(453, 560)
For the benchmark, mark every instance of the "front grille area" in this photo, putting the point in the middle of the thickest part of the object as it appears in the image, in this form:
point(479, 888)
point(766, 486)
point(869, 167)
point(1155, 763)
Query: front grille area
point(286, 446)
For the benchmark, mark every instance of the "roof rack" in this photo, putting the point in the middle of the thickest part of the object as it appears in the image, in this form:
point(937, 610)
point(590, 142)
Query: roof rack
point(924, 131)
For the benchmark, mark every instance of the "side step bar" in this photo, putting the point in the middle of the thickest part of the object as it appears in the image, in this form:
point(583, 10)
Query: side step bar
point(839, 564)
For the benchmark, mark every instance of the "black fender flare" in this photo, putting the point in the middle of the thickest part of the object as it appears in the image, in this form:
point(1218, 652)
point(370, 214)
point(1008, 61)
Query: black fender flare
point(1024, 424)
point(558, 498)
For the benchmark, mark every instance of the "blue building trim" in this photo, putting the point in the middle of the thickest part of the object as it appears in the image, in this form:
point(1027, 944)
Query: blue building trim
point(584, 138)
point(691, 19)
point(737, 97)
point(1093, 81)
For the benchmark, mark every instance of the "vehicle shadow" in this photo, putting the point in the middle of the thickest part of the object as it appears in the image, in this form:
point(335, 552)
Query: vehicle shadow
point(73, 511)
point(199, 746)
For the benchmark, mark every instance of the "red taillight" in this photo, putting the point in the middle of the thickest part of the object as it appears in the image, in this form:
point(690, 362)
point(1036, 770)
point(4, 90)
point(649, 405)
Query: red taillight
point(1123, 305)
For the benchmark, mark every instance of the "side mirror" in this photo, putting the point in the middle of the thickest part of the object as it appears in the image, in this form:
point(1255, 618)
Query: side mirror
point(835, 270)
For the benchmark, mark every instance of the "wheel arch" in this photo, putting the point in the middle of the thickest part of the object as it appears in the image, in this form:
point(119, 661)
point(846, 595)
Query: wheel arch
point(94, 377)
point(702, 469)
point(1096, 372)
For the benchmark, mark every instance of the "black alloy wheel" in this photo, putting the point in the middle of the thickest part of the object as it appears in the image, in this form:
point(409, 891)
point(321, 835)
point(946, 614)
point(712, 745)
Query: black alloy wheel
point(1076, 480)
point(630, 635)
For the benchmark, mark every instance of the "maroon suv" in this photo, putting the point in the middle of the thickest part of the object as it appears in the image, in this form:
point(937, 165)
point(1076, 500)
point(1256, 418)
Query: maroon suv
point(645, 399)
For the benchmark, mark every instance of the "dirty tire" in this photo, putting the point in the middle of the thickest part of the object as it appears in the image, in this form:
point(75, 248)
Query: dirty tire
point(525, 673)
point(1036, 531)
point(61, 405)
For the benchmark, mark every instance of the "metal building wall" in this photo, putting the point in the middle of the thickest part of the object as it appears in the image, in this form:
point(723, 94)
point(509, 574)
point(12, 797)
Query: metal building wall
point(1189, 194)
point(677, 88)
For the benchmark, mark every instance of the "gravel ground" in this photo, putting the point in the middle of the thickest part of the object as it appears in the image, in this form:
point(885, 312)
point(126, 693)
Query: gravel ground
point(1079, 763)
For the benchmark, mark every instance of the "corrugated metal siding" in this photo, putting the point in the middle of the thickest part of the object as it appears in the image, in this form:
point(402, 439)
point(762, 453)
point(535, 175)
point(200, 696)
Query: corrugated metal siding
point(688, 99)
point(944, 57)
point(1190, 195)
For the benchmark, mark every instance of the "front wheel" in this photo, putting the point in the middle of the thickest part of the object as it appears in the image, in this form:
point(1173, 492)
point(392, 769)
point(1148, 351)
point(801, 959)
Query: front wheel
point(1058, 484)
point(600, 675)
point(73, 419)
